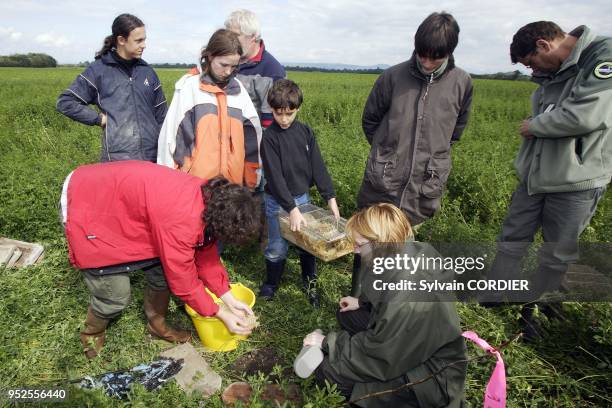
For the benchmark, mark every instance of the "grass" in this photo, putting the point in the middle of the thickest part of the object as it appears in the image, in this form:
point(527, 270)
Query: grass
point(42, 307)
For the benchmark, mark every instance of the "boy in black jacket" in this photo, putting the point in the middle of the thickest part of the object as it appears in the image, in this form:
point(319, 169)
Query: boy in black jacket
point(292, 163)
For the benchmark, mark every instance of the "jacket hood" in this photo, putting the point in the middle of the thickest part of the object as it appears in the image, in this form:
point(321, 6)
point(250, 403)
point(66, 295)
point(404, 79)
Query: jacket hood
point(585, 37)
point(208, 85)
point(404, 271)
point(414, 68)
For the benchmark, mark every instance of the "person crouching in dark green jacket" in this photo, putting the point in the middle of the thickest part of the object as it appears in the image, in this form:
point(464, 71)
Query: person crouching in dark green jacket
point(387, 339)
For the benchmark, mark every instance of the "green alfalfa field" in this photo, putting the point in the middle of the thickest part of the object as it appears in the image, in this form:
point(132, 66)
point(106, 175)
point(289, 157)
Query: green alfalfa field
point(42, 307)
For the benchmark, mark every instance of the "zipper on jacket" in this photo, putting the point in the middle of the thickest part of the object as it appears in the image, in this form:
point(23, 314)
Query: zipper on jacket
point(420, 118)
point(140, 148)
point(428, 84)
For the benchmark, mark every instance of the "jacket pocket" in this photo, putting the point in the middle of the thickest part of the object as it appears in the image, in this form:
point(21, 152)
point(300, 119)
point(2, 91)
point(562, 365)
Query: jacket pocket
point(382, 169)
point(436, 175)
point(578, 149)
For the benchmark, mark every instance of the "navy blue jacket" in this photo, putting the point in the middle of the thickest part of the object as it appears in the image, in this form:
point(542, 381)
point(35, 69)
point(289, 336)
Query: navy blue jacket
point(134, 105)
point(259, 69)
point(264, 64)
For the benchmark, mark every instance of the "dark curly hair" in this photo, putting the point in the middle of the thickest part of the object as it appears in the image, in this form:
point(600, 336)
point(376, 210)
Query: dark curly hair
point(232, 213)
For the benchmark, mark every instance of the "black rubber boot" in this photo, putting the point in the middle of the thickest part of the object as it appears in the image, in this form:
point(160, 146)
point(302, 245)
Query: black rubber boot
point(531, 329)
point(356, 278)
point(309, 277)
point(274, 272)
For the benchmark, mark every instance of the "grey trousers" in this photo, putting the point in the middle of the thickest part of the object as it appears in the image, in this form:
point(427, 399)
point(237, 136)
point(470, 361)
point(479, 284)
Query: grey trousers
point(562, 218)
point(110, 294)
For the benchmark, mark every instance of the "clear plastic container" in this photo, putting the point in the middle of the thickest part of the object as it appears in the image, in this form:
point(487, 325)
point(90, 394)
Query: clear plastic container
point(323, 236)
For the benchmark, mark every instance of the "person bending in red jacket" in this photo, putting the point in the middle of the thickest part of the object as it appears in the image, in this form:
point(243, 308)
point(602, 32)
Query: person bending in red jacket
point(130, 215)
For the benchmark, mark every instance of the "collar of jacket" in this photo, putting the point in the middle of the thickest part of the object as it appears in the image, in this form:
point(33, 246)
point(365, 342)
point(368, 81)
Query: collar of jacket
point(110, 60)
point(207, 84)
point(439, 73)
point(584, 37)
point(256, 59)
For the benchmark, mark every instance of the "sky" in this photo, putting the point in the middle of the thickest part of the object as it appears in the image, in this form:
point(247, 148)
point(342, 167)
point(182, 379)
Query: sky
point(320, 31)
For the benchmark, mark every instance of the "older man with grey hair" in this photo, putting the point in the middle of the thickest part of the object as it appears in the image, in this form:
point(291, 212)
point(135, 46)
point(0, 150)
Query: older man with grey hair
point(258, 68)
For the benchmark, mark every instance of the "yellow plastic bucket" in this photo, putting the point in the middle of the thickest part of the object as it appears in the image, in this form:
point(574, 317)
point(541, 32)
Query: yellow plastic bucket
point(211, 330)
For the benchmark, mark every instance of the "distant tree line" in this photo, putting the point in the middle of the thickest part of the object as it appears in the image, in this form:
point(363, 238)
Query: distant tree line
point(173, 65)
point(39, 60)
point(35, 60)
point(338, 71)
point(512, 76)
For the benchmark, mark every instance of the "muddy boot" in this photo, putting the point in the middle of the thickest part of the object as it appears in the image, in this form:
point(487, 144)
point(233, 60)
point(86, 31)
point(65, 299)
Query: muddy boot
point(309, 277)
point(156, 307)
point(92, 337)
point(274, 272)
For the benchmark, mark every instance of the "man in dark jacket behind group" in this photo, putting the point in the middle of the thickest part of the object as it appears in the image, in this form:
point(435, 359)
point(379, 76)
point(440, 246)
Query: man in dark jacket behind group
point(258, 68)
point(415, 112)
point(127, 92)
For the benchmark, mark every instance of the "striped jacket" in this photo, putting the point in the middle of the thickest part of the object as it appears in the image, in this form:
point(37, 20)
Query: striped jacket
point(210, 131)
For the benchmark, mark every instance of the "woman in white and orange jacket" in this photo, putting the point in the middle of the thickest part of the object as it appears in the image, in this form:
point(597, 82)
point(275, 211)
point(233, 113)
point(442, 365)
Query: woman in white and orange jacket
point(212, 127)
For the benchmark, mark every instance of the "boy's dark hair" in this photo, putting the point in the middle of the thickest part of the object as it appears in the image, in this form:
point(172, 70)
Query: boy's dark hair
point(233, 214)
point(524, 41)
point(285, 94)
point(437, 36)
point(123, 25)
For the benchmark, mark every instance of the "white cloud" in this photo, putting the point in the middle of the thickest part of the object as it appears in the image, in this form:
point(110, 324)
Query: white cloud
point(10, 33)
point(52, 39)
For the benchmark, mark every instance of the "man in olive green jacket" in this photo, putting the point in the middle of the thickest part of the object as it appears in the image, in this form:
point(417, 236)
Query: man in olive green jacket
point(565, 161)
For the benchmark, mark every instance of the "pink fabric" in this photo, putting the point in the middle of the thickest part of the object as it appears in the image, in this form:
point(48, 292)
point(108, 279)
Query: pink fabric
point(495, 393)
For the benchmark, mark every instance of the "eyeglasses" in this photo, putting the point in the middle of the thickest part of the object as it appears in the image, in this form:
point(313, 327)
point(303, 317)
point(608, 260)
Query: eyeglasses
point(529, 57)
point(358, 246)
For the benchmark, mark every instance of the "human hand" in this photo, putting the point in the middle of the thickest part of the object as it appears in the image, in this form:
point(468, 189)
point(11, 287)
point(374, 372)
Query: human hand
point(236, 306)
point(234, 323)
point(102, 120)
point(524, 129)
point(348, 303)
point(296, 219)
point(334, 208)
point(314, 339)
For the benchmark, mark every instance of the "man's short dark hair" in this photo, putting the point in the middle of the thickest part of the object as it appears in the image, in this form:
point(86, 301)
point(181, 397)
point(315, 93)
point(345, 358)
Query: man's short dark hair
point(524, 41)
point(437, 36)
point(285, 94)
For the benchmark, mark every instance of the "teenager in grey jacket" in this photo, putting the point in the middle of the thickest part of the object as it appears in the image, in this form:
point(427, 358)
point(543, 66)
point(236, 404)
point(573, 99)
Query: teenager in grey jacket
point(126, 91)
point(414, 113)
point(565, 161)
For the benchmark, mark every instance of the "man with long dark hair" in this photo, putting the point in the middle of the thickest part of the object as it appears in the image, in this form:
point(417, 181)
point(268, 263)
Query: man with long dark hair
point(126, 91)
